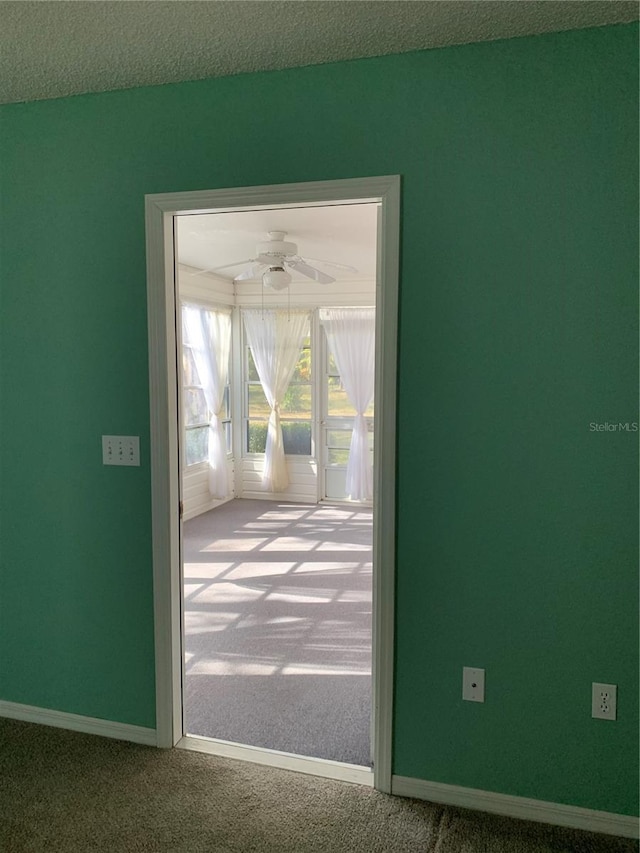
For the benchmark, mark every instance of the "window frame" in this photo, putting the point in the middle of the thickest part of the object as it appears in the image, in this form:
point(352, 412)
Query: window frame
point(227, 421)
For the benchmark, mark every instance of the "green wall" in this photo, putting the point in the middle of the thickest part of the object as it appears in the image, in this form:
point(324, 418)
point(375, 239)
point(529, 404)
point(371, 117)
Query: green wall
point(517, 524)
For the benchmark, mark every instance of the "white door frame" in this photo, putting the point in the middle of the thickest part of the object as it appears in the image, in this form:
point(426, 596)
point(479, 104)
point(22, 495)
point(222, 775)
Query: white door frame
point(160, 210)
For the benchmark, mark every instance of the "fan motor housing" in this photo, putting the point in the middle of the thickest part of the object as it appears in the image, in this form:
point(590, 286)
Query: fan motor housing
point(277, 248)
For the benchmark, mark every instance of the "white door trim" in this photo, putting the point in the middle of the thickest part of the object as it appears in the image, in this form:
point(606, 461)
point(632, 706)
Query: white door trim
point(282, 760)
point(160, 210)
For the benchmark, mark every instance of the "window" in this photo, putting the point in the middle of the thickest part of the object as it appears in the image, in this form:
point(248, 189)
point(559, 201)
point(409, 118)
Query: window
point(338, 444)
point(196, 413)
point(338, 405)
point(295, 411)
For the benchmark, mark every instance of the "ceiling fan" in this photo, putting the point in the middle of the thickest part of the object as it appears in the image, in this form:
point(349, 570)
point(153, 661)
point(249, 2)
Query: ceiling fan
point(272, 259)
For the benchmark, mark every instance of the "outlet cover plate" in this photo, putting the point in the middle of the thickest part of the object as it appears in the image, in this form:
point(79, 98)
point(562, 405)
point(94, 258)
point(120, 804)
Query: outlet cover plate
point(472, 684)
point(121, 450)
point(604, 701)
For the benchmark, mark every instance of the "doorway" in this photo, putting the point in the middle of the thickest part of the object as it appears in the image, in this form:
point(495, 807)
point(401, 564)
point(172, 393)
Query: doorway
point(162, 214)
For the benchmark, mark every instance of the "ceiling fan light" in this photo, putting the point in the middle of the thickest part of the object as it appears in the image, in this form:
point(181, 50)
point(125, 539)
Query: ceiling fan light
point(276, 278)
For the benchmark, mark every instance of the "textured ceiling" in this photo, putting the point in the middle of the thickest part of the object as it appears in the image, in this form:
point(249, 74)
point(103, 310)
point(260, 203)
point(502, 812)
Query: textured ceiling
point(66, 47)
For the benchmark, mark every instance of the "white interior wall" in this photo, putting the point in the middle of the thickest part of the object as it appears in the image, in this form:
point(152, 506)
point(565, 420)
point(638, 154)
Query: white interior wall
point(207, 288)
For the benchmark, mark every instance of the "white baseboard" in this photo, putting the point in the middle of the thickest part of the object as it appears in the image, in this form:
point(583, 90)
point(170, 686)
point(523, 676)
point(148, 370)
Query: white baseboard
point(556, 814)
point(77, 723)
point(190, 512)
point(200, 510)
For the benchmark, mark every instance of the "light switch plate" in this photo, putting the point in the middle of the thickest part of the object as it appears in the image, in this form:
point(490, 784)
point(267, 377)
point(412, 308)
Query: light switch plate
point(120, 450)
point(472, 684)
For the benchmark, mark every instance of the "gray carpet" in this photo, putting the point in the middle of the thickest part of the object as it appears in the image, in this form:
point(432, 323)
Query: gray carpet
point(64, 792)
point(278, 627)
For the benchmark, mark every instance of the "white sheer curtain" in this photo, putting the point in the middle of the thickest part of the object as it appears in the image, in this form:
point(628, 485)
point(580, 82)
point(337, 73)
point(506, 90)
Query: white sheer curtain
point(351, 335)
point(275, 338)
point(208, 331)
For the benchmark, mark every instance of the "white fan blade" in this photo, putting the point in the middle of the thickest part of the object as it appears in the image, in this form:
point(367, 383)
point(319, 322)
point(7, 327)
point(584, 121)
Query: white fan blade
point(310, 272)
point(250, 273)
point(335, 264)
point(226, 266)
point(236, 264)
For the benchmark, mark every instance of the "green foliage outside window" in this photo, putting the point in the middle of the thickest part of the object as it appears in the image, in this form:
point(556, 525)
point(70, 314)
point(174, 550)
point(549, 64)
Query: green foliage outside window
point(296, 437)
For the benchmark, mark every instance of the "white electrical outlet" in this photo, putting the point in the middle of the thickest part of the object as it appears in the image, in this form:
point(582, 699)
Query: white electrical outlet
point(603, 701)
point(472, 684)
point(120, 450)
